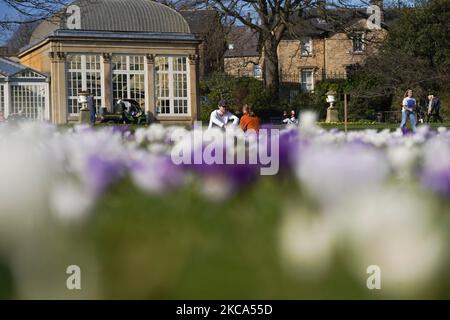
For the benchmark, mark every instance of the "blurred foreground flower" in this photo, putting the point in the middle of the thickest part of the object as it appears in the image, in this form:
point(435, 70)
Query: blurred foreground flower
point(331, 173)
point(400, 233)
point(436, 169)
point(307, 243)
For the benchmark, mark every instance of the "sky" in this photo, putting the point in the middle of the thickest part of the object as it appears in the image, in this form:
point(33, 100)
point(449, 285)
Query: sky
point(7, 12)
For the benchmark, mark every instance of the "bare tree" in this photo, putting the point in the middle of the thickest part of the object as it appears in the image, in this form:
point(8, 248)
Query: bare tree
point(21, 37)
point(183, 4)
point(273, 19)
point(28, 11)
point(208, 24)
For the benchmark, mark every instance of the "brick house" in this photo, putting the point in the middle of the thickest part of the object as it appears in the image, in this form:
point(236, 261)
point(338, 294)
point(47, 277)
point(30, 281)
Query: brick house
point(242, 57)
point(312, 51)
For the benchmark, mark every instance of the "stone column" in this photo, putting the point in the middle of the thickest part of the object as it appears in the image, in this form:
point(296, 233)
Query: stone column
point(150, 102)
point(58, 87)
point(106, 82)
point(193, 78)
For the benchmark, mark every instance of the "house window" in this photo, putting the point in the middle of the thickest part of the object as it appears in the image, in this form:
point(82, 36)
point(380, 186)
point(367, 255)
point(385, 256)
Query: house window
point(128, 78)
point(230, 46)
point(307, 80)
point(292, 95)
point(257, 71)
point(83, 73)
point(306, 46)
point(28, 100)
point(171, 85)
point(358, 42)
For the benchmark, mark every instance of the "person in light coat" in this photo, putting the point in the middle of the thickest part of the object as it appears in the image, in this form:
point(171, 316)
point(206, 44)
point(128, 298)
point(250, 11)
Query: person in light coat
point(221, 116)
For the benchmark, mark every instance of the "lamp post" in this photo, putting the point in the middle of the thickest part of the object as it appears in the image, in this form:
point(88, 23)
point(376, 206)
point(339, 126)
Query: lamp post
point(332, 113)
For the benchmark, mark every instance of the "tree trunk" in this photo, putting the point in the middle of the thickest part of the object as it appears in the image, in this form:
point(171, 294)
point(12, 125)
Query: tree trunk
point(271, 73)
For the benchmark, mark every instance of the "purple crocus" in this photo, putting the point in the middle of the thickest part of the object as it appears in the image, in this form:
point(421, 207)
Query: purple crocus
point(122, 130)
point(231, 176)
point(289, 149)
point(406, 131)
point(101, 172)
point(236, 174)
point(436, 166)
point(155, 173)
point(437, 180)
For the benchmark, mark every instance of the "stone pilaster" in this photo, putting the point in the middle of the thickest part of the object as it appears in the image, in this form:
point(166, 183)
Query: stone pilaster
point(58, 110)
point(106, 81)
point(150, 100)
point(193, 76)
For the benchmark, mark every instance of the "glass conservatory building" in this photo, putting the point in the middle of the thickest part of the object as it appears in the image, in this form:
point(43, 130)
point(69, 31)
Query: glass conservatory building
point(23, 91)
point(118, 49)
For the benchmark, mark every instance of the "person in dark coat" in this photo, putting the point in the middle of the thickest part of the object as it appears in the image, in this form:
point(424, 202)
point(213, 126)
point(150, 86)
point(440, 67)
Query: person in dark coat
point(434, 108)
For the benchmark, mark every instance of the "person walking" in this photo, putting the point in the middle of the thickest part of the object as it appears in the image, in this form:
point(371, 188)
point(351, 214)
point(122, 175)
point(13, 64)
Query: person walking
point(434, 107)
point(408, 106)
point(221, 116)
point(249, 121)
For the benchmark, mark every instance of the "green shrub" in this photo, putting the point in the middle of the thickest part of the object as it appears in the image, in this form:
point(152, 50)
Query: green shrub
point(237, 91)
point(359, 108)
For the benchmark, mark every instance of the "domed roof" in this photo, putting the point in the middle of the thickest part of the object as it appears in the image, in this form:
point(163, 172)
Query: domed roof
point(119, 16)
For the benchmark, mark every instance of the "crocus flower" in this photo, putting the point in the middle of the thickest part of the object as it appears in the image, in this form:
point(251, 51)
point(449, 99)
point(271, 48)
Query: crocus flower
point(436, 166)
point(155, 173)
point(331, 173)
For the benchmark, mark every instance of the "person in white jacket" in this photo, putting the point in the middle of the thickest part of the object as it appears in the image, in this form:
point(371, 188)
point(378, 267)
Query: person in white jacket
point(221, 116)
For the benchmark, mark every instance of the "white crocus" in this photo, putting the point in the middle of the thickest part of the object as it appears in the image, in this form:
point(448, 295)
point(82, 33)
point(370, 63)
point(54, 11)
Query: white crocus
point(307, 243)
point(331, 173)
point(396, 231)
point(403, 160)
point(70, 201)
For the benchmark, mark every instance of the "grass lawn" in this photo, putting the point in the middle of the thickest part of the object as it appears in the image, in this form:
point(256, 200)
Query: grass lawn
point(377, 126)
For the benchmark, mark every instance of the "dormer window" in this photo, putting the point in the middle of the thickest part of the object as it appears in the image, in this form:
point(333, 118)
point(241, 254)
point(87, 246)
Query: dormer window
point(230, 46)
point(306, 46)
